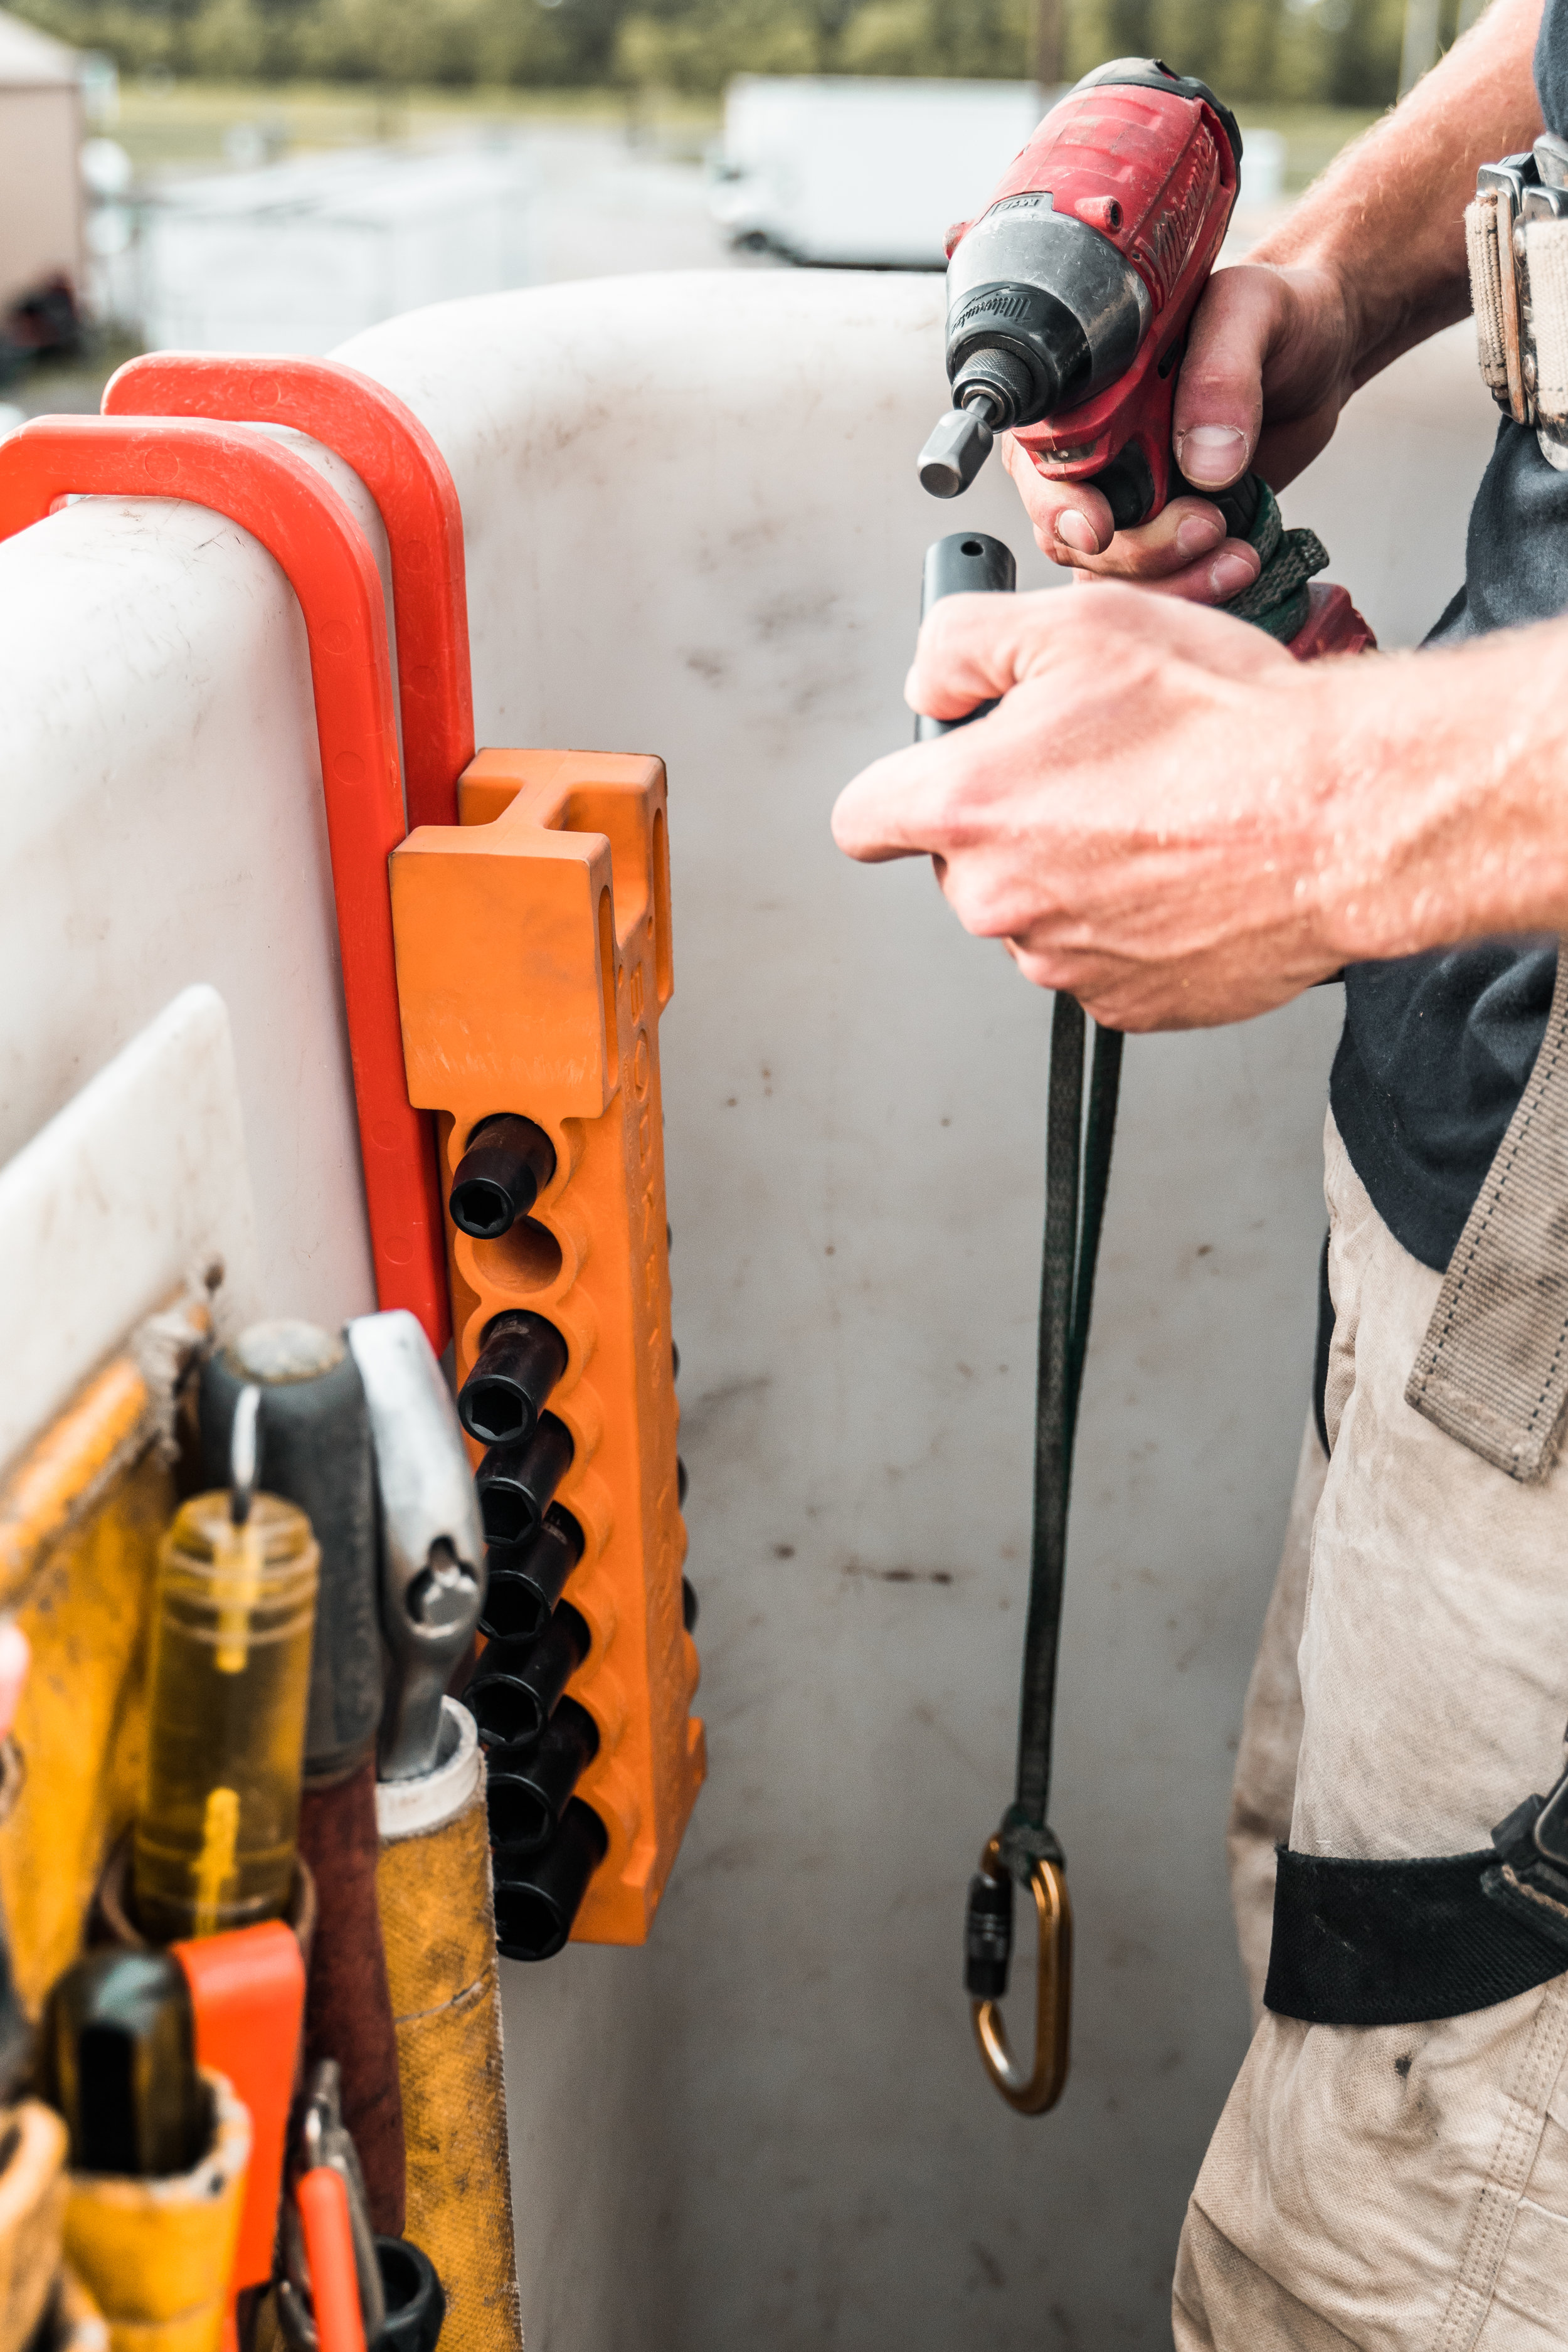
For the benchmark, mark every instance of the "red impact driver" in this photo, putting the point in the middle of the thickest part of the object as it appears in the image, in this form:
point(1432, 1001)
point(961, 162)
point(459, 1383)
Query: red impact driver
point(1068, 302)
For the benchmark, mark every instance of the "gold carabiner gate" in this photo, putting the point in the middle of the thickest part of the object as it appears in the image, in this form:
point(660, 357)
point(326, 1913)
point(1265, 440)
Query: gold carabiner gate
point(1034, 2093)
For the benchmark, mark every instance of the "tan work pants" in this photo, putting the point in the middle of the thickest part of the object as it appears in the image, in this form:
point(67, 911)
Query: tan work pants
point(1397, 2189)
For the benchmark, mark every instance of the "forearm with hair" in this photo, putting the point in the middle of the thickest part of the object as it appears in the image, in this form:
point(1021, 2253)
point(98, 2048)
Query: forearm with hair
point(1386, 218)
point(1446, 813)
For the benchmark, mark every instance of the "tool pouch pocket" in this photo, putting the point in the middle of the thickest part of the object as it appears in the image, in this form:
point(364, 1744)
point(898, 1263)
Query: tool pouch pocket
point(437, 1922)
point(1516, 241)
point(32, 2212)
point(155, 2255)
point(1486, 295)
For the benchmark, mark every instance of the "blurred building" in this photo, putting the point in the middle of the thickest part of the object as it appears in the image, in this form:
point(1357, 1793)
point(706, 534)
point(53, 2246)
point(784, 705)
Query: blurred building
point(41, 208)
point(300, 255)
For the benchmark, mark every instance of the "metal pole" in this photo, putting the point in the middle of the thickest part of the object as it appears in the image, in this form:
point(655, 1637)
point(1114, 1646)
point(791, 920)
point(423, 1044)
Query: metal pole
point(1419, 53)
point(1050, 45)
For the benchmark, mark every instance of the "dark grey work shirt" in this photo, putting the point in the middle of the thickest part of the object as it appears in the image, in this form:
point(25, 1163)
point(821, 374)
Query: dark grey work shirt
point(1437, 1047)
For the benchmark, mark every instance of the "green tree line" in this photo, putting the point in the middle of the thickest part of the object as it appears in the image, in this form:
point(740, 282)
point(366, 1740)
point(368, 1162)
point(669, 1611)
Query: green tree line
point(1340, 52)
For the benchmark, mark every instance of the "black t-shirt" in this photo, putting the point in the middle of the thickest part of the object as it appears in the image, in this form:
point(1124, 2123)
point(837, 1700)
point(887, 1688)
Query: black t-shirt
point(1437, 1047)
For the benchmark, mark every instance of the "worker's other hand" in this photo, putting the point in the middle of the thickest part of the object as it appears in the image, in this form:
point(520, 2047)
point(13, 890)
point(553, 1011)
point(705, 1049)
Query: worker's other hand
point(1268, 367)
point(1141, 820)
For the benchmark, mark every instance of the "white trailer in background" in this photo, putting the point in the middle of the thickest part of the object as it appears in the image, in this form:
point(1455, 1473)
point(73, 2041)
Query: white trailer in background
point(872, 174)
point(864, 173)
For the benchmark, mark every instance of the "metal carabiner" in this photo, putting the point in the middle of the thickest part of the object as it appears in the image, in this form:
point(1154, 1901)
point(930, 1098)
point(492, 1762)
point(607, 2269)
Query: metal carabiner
point(1036, 2093)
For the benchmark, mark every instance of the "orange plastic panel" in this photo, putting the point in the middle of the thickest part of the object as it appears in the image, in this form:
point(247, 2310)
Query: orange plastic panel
point(306, 527)
point(405, 474)
point(534, 962)
point(248, 1990)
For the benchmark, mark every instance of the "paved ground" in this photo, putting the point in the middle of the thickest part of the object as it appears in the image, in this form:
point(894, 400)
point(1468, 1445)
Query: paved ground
point(603, 206)
point(1390, 497)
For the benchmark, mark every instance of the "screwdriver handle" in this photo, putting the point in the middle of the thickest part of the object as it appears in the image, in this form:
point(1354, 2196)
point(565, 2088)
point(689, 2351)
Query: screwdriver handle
point(323, 2198)
point(964, 562)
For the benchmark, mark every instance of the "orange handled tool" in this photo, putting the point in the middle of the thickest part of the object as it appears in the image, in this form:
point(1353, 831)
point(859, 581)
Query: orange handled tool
point(323, 2198)
point(247, 1993)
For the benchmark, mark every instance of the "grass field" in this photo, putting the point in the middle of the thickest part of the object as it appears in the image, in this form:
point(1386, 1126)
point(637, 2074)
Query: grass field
point(182, 126)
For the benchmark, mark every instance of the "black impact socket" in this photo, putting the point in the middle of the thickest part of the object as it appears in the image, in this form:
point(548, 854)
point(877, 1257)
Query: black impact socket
point(689, 1604)
point(521, 1359)
point(1238, 502)
point(536, 1902)
point(526, 1794)
point(516, 1483)
point(506, 1164)
point(415, 2299)
point(965, 563)
point(314, 1450)
point(523, 1585)
point(519, 1684)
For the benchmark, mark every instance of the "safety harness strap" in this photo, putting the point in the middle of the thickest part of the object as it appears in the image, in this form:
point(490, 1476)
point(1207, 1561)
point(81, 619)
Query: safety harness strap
point(1066, 1296)
point(1397, 1943)
point(1024, 1851)
point(1492, 1370)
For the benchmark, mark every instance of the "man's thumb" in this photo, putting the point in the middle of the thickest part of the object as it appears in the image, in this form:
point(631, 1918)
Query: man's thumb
point(1219, 395)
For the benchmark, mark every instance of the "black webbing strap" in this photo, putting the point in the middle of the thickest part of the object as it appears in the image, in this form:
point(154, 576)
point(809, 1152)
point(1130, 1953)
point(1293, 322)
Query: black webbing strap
point(1397, 1943)
point(1073, 1216)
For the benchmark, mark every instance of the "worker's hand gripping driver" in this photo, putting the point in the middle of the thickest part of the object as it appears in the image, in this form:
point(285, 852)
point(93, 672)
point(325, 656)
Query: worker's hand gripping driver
point(1069, 299)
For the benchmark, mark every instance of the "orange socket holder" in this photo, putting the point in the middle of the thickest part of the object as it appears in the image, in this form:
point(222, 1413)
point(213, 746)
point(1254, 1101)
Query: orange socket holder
point(534, 962)
point(304, 524)
point(247, 1991)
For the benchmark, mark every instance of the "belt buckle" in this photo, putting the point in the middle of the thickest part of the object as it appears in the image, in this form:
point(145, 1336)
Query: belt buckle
point(1530, 1877)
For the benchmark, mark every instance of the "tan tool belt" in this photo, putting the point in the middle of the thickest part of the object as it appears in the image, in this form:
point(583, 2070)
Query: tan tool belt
point(1492, 1370)
point(1518, 251)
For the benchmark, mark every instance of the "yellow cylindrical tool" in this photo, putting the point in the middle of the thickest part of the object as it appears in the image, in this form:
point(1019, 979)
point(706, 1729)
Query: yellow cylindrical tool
point(156, 2256)
point(438, 1919)
point(215, 1838)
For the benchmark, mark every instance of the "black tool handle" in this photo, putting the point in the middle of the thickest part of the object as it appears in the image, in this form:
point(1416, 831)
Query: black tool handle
point(1238, 504)
point(964, 564)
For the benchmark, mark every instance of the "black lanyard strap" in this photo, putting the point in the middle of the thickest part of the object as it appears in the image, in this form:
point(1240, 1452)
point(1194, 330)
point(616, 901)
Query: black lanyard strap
point(1025, 1849)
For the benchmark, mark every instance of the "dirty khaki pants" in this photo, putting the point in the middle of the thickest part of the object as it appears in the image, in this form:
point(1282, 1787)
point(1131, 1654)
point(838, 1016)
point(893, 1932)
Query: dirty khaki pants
point(1397, 2189)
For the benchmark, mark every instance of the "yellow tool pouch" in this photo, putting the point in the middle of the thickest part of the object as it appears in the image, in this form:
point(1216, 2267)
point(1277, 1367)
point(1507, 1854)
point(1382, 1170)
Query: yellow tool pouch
point(437, 1921)
point(31, 2215)
point(82, 1513)
point(156, 2256)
